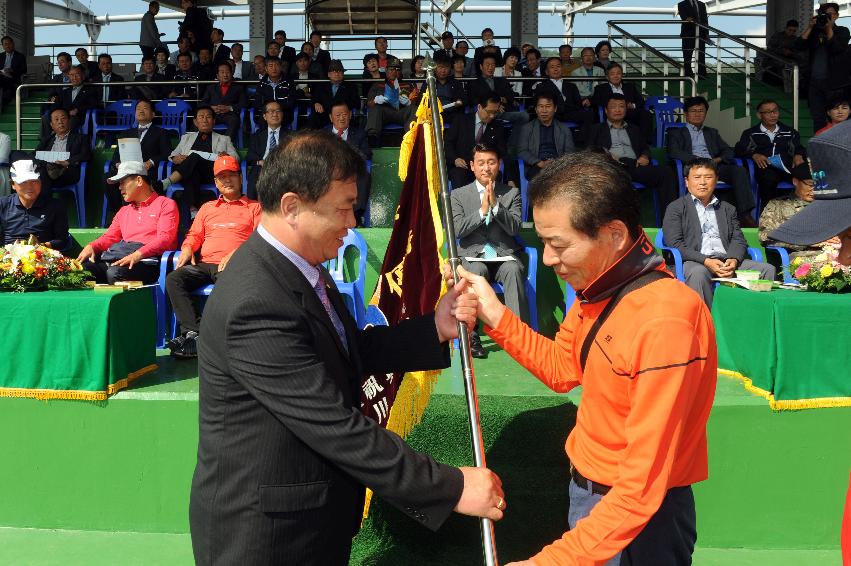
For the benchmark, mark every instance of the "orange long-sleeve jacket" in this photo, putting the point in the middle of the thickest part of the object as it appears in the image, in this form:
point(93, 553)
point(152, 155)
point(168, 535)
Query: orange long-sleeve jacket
point(648, 387)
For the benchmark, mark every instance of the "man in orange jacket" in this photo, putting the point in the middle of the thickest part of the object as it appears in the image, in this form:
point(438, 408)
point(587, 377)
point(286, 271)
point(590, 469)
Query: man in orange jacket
point(642, 345)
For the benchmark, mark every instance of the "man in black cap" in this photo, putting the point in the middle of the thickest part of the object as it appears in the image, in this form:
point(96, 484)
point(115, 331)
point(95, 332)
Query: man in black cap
point(829, 214)
point(448, 51)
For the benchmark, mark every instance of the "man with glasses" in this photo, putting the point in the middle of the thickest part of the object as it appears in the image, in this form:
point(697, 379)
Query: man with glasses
point(326, 95)
point(697, 140)
point(262, 142)
point(774, 147)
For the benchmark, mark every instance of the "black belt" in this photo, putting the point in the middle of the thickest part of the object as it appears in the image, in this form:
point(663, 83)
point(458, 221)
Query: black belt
point(581, 481)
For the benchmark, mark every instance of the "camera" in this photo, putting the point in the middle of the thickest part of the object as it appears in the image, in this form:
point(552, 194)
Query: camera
point(822, 19)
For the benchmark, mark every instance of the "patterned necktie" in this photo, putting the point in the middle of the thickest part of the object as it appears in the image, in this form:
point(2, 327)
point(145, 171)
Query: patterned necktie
point(142, 130)
point(106, 88)
point(488, 252)
point(480, 132)
point(322, 293)
point(340, 134)
point(273, 141)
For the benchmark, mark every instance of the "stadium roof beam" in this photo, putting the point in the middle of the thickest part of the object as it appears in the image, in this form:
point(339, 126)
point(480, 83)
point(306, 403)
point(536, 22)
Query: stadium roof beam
point(73, 12)
point(723, 6)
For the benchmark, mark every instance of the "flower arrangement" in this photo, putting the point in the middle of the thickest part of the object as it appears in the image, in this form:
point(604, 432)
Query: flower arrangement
point(823, 273)
point(34, 267)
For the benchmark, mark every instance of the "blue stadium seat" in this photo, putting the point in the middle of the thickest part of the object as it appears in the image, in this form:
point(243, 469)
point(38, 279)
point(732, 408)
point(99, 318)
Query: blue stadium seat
point(755, 187)
point(173, 114)
point(531, 282)
point(665, 110)
point(353, 291)
point(125, 118)
point(78, 191)
point(672, 255)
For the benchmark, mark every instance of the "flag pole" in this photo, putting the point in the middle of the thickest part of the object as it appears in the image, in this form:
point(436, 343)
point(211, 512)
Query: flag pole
point(488, 540)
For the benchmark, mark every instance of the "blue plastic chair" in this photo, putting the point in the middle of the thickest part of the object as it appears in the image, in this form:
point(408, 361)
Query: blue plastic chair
point(353, 291)
point(240, 143)
point(367, 215)
point(78, 191)
point(531, 282)
point(681, 183)
point(254, 126)
point(524, 191)
point(755, 187)
point(173, 114)
point(160, 300)
point(656, 208)
point(125, 118)
point(665, 110)
point(785, 264)
point(673, 255)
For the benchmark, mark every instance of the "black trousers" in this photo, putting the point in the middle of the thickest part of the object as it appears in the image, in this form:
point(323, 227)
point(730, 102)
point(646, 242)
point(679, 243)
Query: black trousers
point(737, 176)
point(668, 538)
point(194, 171)
point(819, 94)
point(658, 179)
point(180, 284)
point(583, 119)
point(147, 52)
point(364, 184)
point(767, 180)
point(688, 52)
point(105, 272)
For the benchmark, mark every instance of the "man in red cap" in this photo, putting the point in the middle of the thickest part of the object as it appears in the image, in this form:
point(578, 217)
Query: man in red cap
point(217, 231)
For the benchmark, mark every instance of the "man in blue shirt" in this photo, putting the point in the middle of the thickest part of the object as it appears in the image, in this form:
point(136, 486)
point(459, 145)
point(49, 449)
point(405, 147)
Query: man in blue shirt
point(29, 212)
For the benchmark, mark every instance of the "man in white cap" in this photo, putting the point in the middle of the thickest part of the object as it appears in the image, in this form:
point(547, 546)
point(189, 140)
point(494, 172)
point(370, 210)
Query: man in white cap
point(131, 247)
point(28, 211)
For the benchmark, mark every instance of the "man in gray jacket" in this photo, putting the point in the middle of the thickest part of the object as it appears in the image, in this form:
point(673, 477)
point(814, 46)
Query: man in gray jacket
point(544, 139)
point(149, 35)
point(486, 215)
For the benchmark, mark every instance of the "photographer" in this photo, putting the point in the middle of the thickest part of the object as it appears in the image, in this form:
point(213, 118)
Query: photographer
point(827, 45)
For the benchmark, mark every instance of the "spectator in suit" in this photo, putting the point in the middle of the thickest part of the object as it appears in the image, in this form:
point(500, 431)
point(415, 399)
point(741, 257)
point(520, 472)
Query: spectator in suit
point(509, 69)
point(90, 68)
point(219, 229)
point(706, 232)
point(149, 33)
point(13, 67)
point(569, 104)
point(625, 143)
point(183, 46)
point(185, 77)
point(487, 217)
point(387, 104)
point(636, 114)
point(227, 99)
point(603, 50)
point(285, 52)
point(381, 51)
point(204, 67)
point(131, 247)
point(321, 57)
point(155, 149)
point(108, 93)
point(29, 211)
point(699, 141)
point(63, 61)
point(693, 12)
point(589, 70)
point(469, 130)
point(262, 142)
point(313, 66)
point(532, 69)
point(76, 100)
point(220, 52)
point(450, 92)
point(524, 49)
point(326, 95)
point(767, 139)
point(341, 119)
point(149, 74)
point(487, 84)
point(196, 23)
point(568, 63)
point(543, 139)
point(447, 40)
point(259, 68)
point(303, 71)
point(781, 44)
point(370, 71)
point(274, 86)
point(61, 138)
point(488, 46)
point(191, 169)
point(462, 48)
point(163, 67)
point(242, 70)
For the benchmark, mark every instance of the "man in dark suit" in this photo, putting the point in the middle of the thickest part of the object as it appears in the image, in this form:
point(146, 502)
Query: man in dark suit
point(488, 47)
point(155, 148)
point(149, 74)
point(635, 112)
point(242, 70)
point(487, 217)
point(63, 61)
point(227, 99)
point(186, 78)
point(13, 67)
point(204, 66)
point(320, 56)
point(284, 452)
point(108, 93)
point(693, 12)
point(263, 141)
point(625, 143)
point(341, 119)
point(221, 52)
point(447, 50)
point(570, 106)
point(326, 95)
point(76, 99)
point(198, 22)
point(65, 171)
point(285, 52)
point(90, 68)
point(697, 140)
point(543, 139)
point(469, 130)
point(706, 232)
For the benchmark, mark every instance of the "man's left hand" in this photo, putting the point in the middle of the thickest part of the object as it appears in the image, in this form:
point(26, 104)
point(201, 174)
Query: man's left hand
point(642, 161)
point(129, 260)
point(456, 305)
point(223, 263)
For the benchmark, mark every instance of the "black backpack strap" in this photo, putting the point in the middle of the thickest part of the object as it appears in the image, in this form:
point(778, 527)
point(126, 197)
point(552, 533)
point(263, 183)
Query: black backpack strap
point(637, 283)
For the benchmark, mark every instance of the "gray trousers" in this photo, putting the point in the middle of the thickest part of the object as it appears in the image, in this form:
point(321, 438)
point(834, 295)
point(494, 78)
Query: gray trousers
point(381, 114)
point(699, 278)
point(512, 276)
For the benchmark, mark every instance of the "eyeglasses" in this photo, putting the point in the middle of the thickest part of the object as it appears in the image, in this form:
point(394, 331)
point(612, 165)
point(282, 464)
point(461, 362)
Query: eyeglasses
point(273, 112)
point(696, 111)
point(774, 111)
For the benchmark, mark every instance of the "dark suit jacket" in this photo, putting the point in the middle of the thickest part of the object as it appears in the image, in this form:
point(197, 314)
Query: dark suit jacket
point(156, 145)
point(478, 89)
point(839, 63)
point(288, 54)
point(356, 138)
point(683, 232)
point(257, 144)
point(460, 138)
point(235, 97)
point(92, 70)
point(221, 54)
point(685, 10)
point(599, 136)
point(86, 99)
point(679, 144)
point(199, 23)
point(284, 451)
point(116, 91)
point(346, 92)
point(19, 65)
point(529, 141)
point(78, 146)
point(603, 91)
point(471, 230)
point(169, 71)
point(323, 60)
point(479, 54)
point(566, 99)
point(149, 92)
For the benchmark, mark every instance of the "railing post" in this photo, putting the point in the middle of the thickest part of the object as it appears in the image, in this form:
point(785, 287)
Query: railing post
point(718, 68)
point(665, 84)
point(747, 81)
point(643, 68)
point(795, 101)
point(18, 129)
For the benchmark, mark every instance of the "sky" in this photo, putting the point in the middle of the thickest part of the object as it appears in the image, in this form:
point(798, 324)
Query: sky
point(471, 24)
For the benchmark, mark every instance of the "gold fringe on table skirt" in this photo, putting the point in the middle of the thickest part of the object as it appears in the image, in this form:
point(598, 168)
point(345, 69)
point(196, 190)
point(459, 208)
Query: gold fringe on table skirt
point(788, 404)
point(44, 394)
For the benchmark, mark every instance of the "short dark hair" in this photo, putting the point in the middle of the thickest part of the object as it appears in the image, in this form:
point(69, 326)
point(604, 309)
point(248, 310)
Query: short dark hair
point(145, 101)
point(149, 58)
point(459, 42)
point(268, 102)
point(486, 29)
point(154, 3)
point(584, 49)
point(487, 55)
point(600, 45)
point(544, 95)
point(369, 56)
point(305, 44)
point(5, 37)
point(442, 60)
point(824, 7)
point(488, 98)
point(315, 32)
point(272, 42)
point(615, 96)
point(547, 62)
point(280, 31)
point(565, 46)
point(375, 41)
point(63, 55)
point(306, 163)
point(105, 56)
point(219, 31)
point(83, 49)
point(598, 187)
point(184, 54)
point(765, 101)
point(59, 109)
point(340, 103)
point(207, 108)
point(485, 148)
point(303, 55)
point(534, 52)
point(511, 51)
point(414, 62)
point(157, 51)
point(837, 100)
point(267, 60)
point(614, 65)
point(226, 63)
point(237, 43)
point(695, 101)
point(456, 58)
point(792, 23)
point(700, 163)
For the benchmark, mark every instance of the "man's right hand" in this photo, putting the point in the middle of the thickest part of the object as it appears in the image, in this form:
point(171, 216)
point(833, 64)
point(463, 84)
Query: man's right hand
point(490, 308)
point(186, 256)
point(482, 495)
point(716, 267)
point(760, 160)
point(178, 159)
point(87, 253)
point(461, 163)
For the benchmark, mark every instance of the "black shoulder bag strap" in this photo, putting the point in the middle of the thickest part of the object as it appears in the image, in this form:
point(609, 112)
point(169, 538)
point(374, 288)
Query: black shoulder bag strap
point(635, 284)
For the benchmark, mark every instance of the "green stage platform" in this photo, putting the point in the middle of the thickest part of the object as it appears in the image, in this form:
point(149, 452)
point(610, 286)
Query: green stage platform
point(108, 482)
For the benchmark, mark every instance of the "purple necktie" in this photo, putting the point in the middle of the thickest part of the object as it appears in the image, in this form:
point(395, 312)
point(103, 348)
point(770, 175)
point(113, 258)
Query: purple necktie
point(322, 293)
point(480, 132)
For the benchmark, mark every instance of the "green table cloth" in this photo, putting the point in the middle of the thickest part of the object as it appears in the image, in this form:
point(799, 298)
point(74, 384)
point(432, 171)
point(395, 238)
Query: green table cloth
point(75, 344)
point(791, 347)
